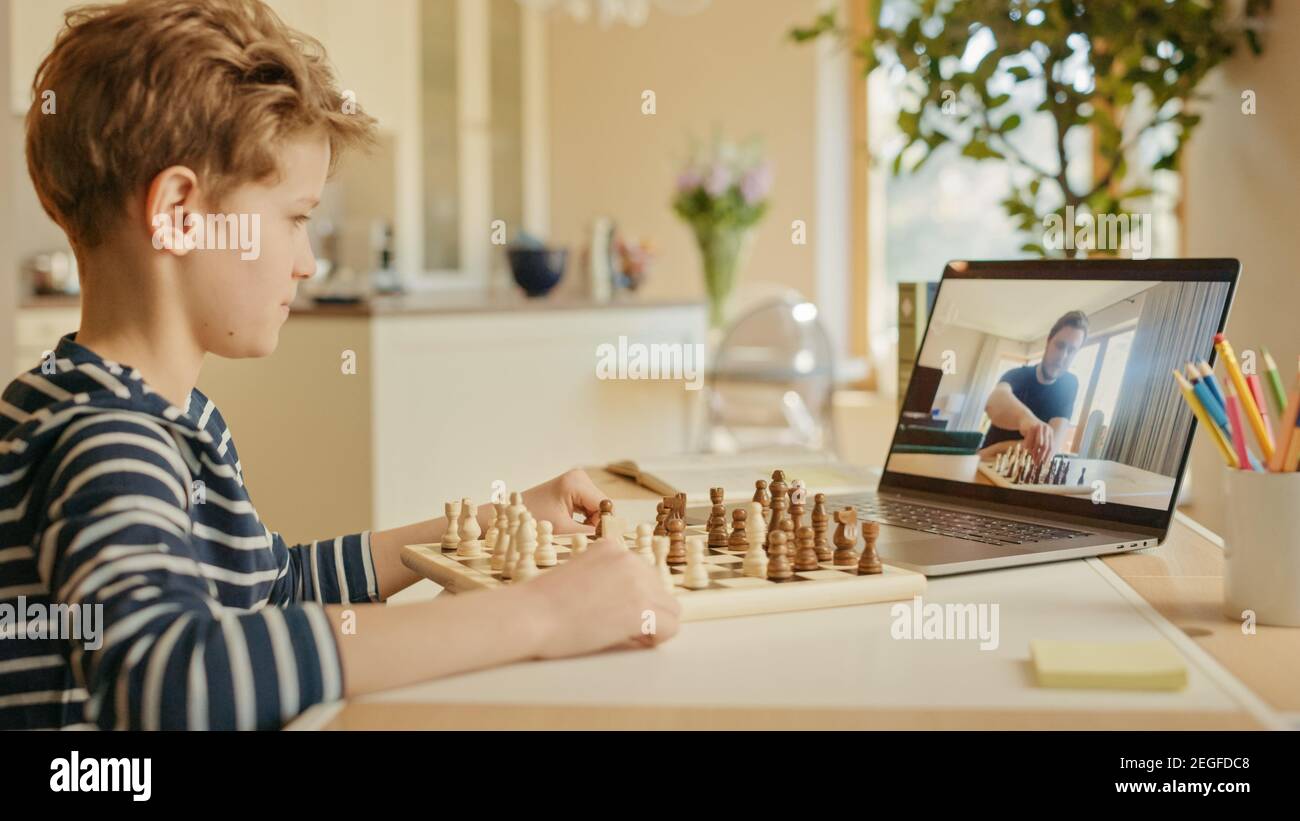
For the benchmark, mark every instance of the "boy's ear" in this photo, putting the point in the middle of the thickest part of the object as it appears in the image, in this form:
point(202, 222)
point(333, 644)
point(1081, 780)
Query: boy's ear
point(171, 208)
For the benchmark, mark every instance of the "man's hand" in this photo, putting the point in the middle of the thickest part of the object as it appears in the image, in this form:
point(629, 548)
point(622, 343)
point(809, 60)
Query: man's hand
point(1040, 438)
point(557, 500)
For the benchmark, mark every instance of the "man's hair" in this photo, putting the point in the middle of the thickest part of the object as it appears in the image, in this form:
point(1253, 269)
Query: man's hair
point(214, 85)
point(1071, 319)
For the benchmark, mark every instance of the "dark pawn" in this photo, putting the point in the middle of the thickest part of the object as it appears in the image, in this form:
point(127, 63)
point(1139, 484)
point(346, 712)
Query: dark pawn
point(739, 538)
point(606, 506)
point(778, 563)
point(806, 557)
point(869, 564)
point(676, 541)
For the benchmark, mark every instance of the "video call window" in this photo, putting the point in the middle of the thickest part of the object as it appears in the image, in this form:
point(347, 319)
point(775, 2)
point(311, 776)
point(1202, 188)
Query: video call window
point(1057, 386)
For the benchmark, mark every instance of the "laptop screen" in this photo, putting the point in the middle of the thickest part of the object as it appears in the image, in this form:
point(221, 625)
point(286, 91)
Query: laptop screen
point(1057, 392)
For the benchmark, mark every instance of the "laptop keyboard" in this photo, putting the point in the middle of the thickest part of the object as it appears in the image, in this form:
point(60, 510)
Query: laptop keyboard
point(956, 523)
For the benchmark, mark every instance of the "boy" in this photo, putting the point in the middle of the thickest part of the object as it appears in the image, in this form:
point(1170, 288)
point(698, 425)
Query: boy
point(199, 615)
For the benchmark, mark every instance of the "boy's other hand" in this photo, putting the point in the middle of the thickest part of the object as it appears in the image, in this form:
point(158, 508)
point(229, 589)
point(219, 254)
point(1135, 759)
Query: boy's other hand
point(557, 500)
point(606, 597)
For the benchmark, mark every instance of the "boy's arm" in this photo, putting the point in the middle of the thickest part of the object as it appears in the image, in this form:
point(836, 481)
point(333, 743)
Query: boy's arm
point(115, 537)
point(331, 571)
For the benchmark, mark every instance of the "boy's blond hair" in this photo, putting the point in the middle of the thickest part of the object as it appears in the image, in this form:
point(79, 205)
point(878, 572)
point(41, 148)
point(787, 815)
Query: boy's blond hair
point(142, 85)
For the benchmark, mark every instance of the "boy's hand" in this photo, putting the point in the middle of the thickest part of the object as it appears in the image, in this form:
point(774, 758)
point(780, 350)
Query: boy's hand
point(557, 500)
point(606, 597)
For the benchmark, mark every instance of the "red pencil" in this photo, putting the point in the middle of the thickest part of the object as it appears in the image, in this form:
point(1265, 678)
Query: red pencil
point(1238, 425)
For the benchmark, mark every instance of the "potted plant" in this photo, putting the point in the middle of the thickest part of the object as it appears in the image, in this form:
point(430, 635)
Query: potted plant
point(1128, 70)
point(722, 193)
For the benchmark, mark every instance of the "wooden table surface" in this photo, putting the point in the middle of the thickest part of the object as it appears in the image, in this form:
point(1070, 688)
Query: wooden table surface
point(1182, 580)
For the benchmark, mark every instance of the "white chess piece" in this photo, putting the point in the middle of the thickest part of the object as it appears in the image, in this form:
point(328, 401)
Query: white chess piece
point(661, 546)
point(759, 525)
point(579, 544)
point(644, 533)
point(544, 555)
point(526, 564)
point(501, 551)
point(490, 538)
point(697, 573)
point(471, 546)
point(755, 563)
point(451, 536)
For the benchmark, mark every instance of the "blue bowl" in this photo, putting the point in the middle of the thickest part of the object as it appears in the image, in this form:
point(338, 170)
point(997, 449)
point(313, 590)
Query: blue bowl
point(537, 270)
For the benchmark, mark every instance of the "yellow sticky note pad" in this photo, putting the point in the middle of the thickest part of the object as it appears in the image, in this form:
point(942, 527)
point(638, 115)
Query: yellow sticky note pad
point(1139, 665)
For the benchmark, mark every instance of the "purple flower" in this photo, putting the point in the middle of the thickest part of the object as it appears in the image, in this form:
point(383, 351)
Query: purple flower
point(689, 180)
point(718, 180)
point(756, 183)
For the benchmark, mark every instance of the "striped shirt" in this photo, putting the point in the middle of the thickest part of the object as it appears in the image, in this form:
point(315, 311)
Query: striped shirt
point(126, 517)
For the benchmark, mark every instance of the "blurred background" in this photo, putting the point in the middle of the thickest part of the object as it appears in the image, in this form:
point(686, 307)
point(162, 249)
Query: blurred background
point(555, 175)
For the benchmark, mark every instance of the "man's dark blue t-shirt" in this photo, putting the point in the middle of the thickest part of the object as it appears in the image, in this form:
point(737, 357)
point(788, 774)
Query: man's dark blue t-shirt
point(1045, 401)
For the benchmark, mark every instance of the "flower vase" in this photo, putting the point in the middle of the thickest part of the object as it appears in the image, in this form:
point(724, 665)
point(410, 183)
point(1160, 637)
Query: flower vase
point(721, 252)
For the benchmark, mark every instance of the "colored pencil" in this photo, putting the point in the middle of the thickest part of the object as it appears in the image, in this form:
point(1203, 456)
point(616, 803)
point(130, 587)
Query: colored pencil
point(1198, 409)
point(1275, 386)
point(1247, 404)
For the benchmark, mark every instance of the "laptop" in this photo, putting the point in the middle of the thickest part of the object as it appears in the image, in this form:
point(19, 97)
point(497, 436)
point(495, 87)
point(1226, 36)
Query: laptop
point(1052, 427)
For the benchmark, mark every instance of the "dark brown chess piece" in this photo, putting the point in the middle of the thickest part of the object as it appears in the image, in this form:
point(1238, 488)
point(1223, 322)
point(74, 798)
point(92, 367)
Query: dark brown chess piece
point(739, 538)
point(805, 558)
point(661, 517)
point(780, 503)
point(762, 496)
point(846, 537)
point(778, 563)
point(717, 520)
point(606, 506)
point(869, 563)
point(820, 520)
point(676, 541)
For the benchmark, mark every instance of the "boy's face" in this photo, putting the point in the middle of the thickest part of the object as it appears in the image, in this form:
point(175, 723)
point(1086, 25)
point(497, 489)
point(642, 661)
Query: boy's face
point(238, 296)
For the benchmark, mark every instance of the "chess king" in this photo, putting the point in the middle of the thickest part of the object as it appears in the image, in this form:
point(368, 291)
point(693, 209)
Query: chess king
point(1032, 404)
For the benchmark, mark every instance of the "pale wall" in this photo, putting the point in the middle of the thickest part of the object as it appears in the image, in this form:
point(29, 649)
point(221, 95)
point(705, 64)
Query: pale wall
point(1243, 178)
point(730, 66)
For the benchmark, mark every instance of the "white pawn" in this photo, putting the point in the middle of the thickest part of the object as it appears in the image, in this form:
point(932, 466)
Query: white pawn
point(755, 557)
point(490, 538)
point(526, 564)
point(451, 536)
point(661, 547)
point(758, 526)
point(697, 573)
point(471, 547)
point(501, 551)
point(579, 544)
point(644, 533)
point(545, 553)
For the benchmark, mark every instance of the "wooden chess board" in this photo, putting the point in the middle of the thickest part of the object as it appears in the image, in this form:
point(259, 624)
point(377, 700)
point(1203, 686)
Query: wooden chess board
point(730, 593)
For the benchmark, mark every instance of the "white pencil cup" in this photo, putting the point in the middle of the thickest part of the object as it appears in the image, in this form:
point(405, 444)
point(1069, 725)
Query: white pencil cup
point(1261, 547)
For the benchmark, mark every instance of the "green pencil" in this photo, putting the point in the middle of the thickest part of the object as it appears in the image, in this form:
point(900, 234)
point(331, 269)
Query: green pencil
point(1274, 381)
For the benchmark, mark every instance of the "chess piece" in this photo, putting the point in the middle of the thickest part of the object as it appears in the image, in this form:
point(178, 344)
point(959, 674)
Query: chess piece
point(501, 550)
point(490, 538)
point(544, 555)
point(606, 506)
point(644, 549)
point(778, 563)
point(869, 563)
point(1082, 471)
point(717, 520)
point(471, 547)
point(578, 545)
point(696, 576)
point(780, 503)
point(738, 539)
point(515, 516)
point(755, 563)
point(526, 563)
point(451, 536)
point(676, 541)
point(820, 520)
point(761, 495)
point(661, 516)
point(661, 561)
point(805, 558)
point(846, 537)
point(798, 498)
point(754, 524)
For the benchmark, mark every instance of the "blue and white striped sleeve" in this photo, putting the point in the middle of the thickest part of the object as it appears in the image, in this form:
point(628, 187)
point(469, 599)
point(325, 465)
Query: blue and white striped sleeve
point(115, 535)
point(330, 571)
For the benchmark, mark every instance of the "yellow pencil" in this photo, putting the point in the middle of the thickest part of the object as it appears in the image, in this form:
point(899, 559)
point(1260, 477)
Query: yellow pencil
point(1243, 390)
point(1204, 418)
